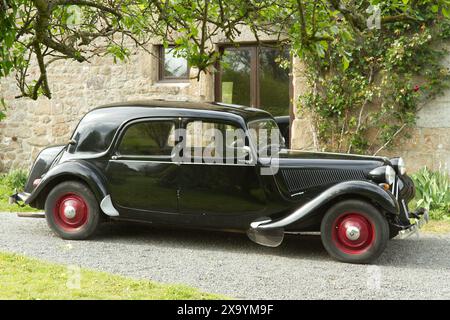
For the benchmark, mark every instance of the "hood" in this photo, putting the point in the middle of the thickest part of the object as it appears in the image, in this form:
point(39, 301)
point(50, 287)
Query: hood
point(304, 159)
point(304, 174)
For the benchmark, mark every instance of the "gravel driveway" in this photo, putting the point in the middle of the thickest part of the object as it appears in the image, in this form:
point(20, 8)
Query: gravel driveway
point(231, 264)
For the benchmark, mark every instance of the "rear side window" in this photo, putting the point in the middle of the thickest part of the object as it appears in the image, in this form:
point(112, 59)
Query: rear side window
point(153, 138)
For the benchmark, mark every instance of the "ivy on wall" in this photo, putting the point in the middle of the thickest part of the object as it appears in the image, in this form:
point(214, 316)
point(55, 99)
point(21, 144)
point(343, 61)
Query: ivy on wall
point(363, 104)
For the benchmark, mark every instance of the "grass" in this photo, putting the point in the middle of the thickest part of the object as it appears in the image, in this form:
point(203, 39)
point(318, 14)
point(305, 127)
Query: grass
point(15, 179)
point(24, 278)
point(437, 226)
point(5, 192)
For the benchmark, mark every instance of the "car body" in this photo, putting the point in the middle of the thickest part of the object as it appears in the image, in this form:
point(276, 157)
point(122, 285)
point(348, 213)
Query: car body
point(120, 164)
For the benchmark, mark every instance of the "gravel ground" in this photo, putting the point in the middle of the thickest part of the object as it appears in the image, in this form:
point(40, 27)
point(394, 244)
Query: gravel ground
point(230, 264)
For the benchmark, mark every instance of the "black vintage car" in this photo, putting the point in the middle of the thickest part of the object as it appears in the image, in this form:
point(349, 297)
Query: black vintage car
point(123, 163)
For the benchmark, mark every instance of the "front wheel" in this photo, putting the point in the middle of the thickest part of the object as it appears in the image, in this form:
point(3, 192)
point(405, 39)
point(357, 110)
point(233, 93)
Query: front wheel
point(354, 231)
point(72, 211)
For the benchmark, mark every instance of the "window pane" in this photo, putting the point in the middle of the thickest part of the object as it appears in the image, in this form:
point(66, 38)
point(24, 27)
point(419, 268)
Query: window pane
point(213, 139)
point(236, 66)
point(266, 135)
point(149, 139)
point(174, 67)
point(274, 81)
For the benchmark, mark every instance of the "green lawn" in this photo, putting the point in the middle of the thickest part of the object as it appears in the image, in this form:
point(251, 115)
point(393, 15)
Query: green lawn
point(24, 278)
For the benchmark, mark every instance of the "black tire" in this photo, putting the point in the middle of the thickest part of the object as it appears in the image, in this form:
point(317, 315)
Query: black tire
point(86, 211)
point(409, 190)
point(371, 241)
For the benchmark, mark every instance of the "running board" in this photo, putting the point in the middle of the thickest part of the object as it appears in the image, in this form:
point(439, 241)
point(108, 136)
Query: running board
point(31, 214)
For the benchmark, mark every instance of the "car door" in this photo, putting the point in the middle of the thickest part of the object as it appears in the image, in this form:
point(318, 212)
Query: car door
point(142, 176)
point(217, 190)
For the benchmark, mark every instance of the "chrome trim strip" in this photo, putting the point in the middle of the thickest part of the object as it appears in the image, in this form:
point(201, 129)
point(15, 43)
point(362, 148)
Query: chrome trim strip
point(405, 208)
point(190, 163)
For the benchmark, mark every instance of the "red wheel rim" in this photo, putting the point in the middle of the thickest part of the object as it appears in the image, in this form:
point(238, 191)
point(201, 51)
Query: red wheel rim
point(70, 212)
point(353, 233)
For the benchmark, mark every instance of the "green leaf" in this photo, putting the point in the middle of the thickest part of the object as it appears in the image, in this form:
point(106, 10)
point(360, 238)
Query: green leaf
point(345, 63)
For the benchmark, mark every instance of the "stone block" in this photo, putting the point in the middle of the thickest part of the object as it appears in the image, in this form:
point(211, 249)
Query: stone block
point(302, 135)
point(39, 141)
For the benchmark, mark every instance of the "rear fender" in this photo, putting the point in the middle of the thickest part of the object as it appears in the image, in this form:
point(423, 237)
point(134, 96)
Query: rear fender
point(76, 169)
point(42, 164)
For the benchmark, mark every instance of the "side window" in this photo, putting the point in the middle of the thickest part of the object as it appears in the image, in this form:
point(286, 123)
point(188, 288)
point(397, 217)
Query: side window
point(153, 138)
point(209, 139)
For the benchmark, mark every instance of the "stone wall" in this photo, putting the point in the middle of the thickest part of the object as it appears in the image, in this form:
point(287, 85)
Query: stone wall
point(76, 88)
point(428, 144)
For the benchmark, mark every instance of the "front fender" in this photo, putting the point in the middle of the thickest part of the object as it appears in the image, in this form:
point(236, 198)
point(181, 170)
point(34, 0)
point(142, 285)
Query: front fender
point(369, 190)
point(72, 169)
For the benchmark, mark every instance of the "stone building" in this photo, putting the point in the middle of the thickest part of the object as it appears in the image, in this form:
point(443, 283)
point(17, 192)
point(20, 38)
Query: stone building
point(248, 78)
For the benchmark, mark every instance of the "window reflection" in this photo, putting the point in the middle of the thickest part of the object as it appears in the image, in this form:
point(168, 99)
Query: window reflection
point(155, 138)
point(274, 81)
point(175, 67)
point(236, 67)
point(256, 76)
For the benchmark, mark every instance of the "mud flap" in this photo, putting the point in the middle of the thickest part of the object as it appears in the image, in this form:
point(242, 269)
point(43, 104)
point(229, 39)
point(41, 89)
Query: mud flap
point(266, 237)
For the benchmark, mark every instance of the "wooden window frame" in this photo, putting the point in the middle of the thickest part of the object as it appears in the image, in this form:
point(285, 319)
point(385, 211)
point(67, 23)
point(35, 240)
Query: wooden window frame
point(255, 97)
point(161, 60)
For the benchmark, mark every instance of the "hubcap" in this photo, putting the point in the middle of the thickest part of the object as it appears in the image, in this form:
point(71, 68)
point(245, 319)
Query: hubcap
point(70, 212)
point(353, 233)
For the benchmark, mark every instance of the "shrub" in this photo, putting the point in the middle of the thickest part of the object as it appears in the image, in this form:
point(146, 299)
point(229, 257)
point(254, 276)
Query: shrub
point(433, 192)
point(15, 179)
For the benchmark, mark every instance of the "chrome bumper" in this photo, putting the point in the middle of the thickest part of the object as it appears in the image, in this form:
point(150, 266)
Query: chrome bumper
point(19, 198)
point(414, 228)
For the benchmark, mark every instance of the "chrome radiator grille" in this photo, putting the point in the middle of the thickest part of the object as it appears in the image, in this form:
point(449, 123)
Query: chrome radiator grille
point(301, 179)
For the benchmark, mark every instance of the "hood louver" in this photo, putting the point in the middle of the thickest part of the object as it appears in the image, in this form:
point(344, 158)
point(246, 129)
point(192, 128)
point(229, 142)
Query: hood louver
point(301, 179)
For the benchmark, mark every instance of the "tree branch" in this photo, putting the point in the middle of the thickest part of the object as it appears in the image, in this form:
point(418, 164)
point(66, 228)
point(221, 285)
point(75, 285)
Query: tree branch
point(86, 3)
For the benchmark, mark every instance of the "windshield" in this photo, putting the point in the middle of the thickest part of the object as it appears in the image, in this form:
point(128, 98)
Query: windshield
point(266, 135)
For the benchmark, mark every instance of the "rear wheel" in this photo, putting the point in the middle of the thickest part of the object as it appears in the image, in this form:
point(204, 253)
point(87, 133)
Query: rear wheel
point(72, 211)
point(354, 231)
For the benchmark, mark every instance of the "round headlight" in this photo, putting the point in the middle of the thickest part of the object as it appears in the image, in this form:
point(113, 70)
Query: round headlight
point(401, 166)
point(389, 175)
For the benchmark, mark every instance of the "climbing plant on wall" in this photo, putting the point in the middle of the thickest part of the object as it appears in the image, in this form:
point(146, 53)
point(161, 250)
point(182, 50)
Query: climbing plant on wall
point(366, 102)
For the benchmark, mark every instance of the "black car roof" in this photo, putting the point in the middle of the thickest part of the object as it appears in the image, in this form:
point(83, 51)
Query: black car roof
point(95, 131)
point(245, 112)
